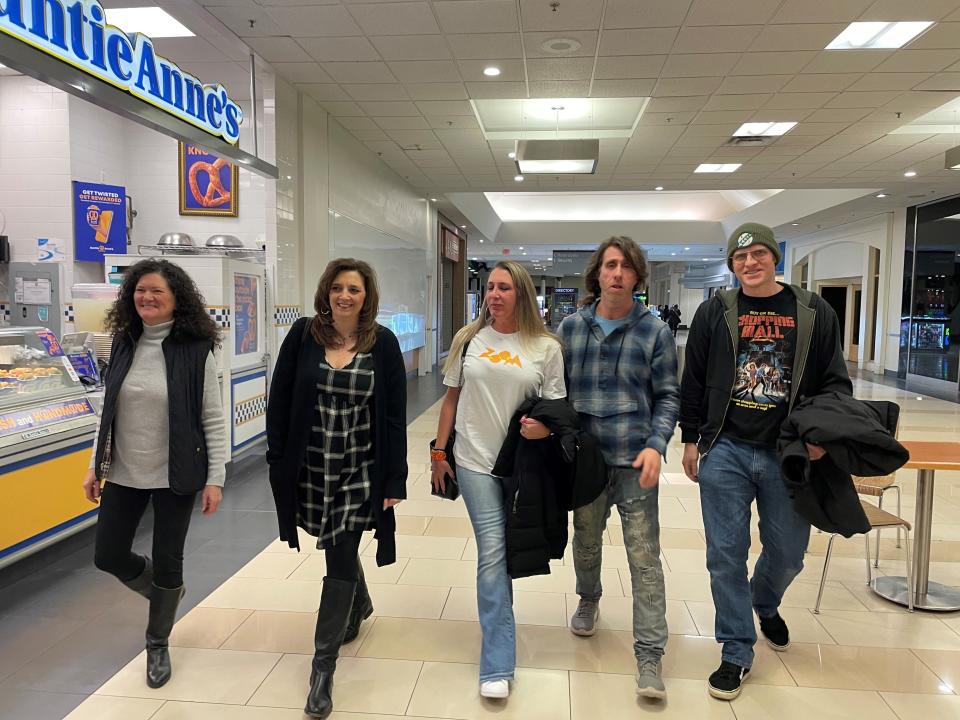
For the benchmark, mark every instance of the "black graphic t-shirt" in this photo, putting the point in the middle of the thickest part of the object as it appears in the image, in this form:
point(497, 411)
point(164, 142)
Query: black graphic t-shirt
point(765, 353)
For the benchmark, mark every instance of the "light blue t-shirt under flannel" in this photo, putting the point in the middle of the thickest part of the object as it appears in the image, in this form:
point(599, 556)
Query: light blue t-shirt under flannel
point(608, 326)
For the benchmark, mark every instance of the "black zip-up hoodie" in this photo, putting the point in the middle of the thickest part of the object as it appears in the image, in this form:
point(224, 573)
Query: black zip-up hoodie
point(710, 363)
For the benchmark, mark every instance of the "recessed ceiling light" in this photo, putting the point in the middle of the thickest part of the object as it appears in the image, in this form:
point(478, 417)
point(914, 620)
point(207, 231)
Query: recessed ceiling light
point(524, 253)
point(881, 195)
point(672, 254)
point(433, 199)
point(481, 241)
point(474, 258)
point(518, 178)
point(890, 35)
point(464, 227)
point(686, 248)
point(764, 129)
point(151, 21)
point(717, 167)
point(512, 155)
point(795, 224)
point(658, 188)
point(521, 247)
point(491, 71)
point(910, 173)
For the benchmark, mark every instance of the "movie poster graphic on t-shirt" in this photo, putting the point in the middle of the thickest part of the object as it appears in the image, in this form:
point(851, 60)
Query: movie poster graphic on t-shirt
point(764, 371)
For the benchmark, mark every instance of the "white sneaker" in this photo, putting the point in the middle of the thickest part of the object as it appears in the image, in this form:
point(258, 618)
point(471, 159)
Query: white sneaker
point(495, 689)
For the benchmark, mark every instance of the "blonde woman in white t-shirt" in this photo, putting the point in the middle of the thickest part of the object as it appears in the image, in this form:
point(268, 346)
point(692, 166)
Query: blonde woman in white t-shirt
point(510, 357)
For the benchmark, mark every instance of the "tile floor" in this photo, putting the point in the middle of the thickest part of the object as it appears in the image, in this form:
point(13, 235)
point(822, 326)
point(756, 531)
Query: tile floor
point(243, 652)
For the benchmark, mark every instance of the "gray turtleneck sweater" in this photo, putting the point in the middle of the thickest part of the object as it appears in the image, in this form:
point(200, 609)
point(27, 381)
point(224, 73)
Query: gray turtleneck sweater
point(141, 436)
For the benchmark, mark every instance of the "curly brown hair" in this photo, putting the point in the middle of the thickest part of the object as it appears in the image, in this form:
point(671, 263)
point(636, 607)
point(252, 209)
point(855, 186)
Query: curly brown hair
point(322, 328)
point(190, 317)
point(631, 251)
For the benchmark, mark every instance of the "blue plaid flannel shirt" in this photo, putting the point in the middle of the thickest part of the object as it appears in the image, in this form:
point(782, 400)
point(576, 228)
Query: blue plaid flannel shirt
point(624, 386)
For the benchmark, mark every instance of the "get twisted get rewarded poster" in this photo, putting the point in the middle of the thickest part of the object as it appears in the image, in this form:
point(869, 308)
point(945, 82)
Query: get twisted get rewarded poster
point(208, 184)
point(99, 220)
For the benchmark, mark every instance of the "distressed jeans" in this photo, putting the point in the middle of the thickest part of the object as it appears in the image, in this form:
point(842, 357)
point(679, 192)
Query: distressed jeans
point(638, 509)
point(733, 475)
point(483, 496)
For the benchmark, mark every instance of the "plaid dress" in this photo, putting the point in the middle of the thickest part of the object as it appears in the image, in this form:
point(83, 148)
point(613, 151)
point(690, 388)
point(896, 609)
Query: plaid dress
point(334, 486)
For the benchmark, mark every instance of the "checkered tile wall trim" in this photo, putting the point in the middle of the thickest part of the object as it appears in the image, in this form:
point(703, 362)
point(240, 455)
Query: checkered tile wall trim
point(68, 314)
point(220, 315)
point(5, 312)
point(247, 410)
point(284, 315)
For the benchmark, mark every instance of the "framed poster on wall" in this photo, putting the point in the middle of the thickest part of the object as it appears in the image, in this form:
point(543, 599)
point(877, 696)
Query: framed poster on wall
point(246, 309)
point(208, 185)
point(99, 221)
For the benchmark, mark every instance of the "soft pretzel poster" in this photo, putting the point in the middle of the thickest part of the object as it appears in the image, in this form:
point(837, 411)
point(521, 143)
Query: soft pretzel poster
point(208, 184)
point(100, 220)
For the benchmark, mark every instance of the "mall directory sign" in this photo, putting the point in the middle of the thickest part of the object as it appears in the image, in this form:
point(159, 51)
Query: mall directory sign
point(99, 220)
point(76, 32)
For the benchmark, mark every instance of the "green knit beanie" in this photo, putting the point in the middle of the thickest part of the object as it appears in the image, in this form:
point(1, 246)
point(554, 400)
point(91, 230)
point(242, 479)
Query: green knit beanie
point(750, 234)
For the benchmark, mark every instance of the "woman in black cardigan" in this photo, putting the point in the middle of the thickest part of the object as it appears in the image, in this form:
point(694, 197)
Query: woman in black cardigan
point(337, 450)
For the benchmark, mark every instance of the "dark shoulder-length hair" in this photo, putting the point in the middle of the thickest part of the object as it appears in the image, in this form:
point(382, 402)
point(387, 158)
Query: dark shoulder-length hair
point(190, 317)
point(633, 254)
point(322, 329)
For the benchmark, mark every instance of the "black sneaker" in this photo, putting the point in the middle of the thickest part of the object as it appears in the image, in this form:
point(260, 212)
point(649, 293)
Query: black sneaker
point(775, 630)
point(725, 682)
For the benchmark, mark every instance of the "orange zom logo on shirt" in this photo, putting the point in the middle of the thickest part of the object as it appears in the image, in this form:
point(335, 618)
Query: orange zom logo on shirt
point(501, 357)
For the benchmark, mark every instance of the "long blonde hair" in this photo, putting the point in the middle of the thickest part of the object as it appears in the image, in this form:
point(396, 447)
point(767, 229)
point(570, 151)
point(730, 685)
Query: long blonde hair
point(529, 324)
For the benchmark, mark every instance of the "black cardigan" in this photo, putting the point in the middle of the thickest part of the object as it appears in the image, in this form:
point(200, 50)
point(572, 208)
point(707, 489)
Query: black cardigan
point(290, 416)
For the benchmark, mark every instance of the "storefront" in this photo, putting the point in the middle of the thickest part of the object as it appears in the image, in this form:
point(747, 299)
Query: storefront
point(107, 147)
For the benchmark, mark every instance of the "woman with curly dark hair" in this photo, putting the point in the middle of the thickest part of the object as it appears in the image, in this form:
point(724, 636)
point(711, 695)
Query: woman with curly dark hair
point(161, 440)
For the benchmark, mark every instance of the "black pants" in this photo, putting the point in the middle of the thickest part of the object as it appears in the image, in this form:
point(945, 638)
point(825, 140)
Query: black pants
point(121, 509)
point(342, 558)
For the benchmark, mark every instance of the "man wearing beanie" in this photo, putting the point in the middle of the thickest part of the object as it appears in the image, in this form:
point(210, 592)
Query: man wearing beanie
point(730, 417)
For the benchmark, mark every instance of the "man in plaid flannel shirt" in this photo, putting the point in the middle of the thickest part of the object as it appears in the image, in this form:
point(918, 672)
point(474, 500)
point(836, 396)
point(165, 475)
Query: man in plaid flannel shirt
point(621, 365)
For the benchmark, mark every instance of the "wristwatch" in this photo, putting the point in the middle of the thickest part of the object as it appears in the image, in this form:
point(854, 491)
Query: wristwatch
point(438, 455)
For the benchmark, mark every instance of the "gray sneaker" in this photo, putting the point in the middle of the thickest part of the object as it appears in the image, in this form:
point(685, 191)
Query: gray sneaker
point(649, 682)
point(584, 620)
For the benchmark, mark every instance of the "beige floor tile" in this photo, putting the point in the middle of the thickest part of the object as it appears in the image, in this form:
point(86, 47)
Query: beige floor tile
point(272, 565)
point(261, 594)
point(679, 518)
point(209, 711)
point(433, 640)
point(562, 579)
point(315, 568)
point(859, 668)
point(207, 627)
point(924, 707)
point(529, 608)
point(613, 697)
point(945, 663)
point(876, 629)
point(432, 508)
point(430, 548)
point(103, 707)
point(616, 613)
point(366, 685)
point(694, 658)
point(758, 702)
point(411, 524)
point(452, 691)
point(200, 675)
point(802, 594)
point(449, 527)
point(682, 586)
point(556, 648)
point(686, 560)
point(408, 601)
point(802, 622)
point(284, 632)
point(682, 539)
point(451, 573)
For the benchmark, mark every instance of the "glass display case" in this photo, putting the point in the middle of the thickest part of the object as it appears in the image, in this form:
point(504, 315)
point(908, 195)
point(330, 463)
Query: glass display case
point(33, 368)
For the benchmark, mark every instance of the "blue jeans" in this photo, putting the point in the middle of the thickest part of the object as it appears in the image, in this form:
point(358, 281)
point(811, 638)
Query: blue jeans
point(483, 496)
point(639, 515)
point(732, 475)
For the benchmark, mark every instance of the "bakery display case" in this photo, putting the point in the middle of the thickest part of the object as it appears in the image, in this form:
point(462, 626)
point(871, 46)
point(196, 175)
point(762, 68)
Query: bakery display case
point(47, 426)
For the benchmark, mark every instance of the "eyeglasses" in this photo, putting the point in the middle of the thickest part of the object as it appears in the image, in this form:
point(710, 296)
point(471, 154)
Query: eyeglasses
point(758, 255)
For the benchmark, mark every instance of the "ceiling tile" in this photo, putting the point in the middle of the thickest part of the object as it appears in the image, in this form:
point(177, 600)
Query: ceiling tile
point(188, 49)
point(486, 46)
point(773, 63)
point(820, 11)
point(835, 61)
point(749, 84)
point(736, 102)
point(621, 88)
point(359, 72)
point(713, 117)
point(510, 70)
point(560, 69)
point(698, 65)
point(309, 72)
point(647, 14)
point(667, 87)
point(645, 41)
point(579, 15)
point(424, 138)
point(560, 88)
point(238, 19)
point(477, 16)
point(425, 71)
point(785, 38)
point(358, 123)
point(385, 108)
point(821, 129)
point(402, 122)
point(376, 91)
point(314, 21)
point(941, 81)
point(366, 135)
point(626, 67)
point(405, 18)
point(888, 81)
point(731, 12)
point(715, 39)
point(863, 99)
point(452, 107)
point(942, 35)
point(459, 122)
point(910, 60)
point(463, 138)
point(342, 108)
point(278, 49)
point(437, 91)
point(412, 47)
point(845, 115)
point(824, 82)
point(496, 90)
point(339, 49)
point(671, 119)
point(587, 38)
point(676, 104)
point(323, 92)
point(799, 100)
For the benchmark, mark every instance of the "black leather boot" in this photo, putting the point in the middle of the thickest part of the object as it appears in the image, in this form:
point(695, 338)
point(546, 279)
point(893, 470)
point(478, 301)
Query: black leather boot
point(361, 610)
point(163, 612)
point(142, 584)
point(335, 603)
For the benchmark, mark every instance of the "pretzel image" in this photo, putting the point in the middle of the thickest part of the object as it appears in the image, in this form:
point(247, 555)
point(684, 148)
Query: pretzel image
point(216, 194)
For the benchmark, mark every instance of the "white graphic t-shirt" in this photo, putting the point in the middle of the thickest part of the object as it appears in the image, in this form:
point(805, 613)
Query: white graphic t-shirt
point(498, 375)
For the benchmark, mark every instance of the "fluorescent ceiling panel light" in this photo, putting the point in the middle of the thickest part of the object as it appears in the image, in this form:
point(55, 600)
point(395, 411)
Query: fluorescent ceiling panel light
point(557, 157)
point(717, 168)
point(153, 22)
point(518, 178)
point(658, 188)
point(558, 118)
point(764, 129)
point(491, 71)
point(886, 35)
point(910, 173)
point(557, 167)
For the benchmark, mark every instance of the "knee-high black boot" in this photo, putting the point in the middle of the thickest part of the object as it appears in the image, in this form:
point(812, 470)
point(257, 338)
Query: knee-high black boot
point(142, 584)
point(361, 610)
point(335, 603)
point(163, 612)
